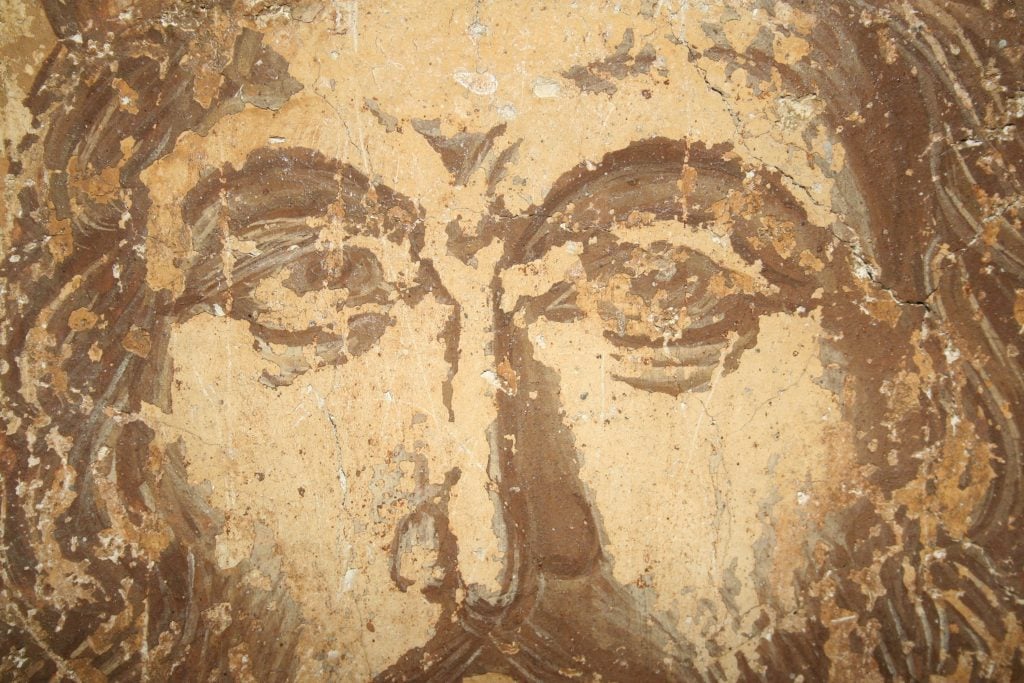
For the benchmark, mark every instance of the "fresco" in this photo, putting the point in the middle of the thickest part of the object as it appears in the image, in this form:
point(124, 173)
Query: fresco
point(619, 341)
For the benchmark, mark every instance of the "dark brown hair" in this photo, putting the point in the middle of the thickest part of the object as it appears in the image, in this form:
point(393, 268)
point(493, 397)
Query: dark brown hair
point(926, 101)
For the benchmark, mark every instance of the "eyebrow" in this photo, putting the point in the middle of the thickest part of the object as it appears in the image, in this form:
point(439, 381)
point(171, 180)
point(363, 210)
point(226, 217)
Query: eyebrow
point(645, 176)
point(288, 182)
point(673, 180)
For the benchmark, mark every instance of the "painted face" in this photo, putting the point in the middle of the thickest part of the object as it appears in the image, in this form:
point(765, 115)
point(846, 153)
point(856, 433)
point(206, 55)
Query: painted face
point(685, 382)
point(459, 326)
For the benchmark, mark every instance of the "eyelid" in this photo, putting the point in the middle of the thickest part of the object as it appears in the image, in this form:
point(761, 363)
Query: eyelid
point(687, 284)
point(703, 241)
point(312, 335)
point(614, 239)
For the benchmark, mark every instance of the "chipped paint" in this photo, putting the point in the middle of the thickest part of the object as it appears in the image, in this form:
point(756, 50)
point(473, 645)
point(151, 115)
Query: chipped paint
point(645, 341)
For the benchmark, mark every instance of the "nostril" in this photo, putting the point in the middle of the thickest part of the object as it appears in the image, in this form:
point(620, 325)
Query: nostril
point(415, 556)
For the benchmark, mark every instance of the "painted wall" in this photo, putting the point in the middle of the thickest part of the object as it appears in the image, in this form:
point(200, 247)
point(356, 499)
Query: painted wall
point(511, 341)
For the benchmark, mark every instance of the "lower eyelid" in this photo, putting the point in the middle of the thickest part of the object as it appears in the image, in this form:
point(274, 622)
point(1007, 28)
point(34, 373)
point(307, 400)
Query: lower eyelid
point(365, 330)
point(669, 369)
point(674, 379)
point(687, 354)
point(673, 355)
point(673, 386)
point(292, 338)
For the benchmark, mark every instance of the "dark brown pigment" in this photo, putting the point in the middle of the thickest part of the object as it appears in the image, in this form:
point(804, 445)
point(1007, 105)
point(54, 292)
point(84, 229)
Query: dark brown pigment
point(560, 614)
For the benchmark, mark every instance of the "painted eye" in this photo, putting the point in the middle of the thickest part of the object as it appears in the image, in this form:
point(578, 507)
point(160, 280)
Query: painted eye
point(341, 297)
point(362, 275)
point(674, 314)
point(355, 270)
point(335, 305)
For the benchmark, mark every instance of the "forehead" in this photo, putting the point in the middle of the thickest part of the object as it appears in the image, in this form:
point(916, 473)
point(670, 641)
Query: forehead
point(531, 90)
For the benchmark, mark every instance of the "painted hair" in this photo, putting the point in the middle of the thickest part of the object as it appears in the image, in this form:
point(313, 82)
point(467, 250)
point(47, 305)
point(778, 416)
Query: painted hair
point(106, 556)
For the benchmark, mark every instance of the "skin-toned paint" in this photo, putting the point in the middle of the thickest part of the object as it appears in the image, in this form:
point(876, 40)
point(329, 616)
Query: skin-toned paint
point(350, 342)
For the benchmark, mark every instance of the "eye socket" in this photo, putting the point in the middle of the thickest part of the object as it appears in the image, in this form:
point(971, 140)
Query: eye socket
point(674, 314)
point(660, 291)
point(355, 269)
point(335, 303)
point(288, 243)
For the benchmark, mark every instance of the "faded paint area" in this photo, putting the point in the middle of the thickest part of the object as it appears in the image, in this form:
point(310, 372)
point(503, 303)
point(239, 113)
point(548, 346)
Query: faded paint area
point(329, 470)
point(22, 51)
point(507, 341)
point(750, 470)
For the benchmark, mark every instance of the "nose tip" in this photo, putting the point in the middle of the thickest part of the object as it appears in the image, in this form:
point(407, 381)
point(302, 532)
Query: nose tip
point(475, 505)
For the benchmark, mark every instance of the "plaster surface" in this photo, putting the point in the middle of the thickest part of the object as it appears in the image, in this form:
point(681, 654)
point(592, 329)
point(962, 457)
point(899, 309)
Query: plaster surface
point(619, 341)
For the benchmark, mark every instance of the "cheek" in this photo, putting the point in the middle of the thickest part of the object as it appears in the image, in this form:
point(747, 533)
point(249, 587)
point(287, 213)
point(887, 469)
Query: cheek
point(329, 466)
point(713, 492)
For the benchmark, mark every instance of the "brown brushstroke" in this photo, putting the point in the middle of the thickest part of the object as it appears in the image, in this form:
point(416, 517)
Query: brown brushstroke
point(560, 610)
point(461, 153)
point(596, 77)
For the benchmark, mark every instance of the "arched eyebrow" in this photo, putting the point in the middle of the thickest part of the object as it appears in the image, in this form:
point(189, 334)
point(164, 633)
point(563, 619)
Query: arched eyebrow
point(291, 183)
point(661, 179)
point(645, 177)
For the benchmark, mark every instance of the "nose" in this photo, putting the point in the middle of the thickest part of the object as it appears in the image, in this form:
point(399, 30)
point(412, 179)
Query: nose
point(520, 495)
point(475, 509)
point(544, 496)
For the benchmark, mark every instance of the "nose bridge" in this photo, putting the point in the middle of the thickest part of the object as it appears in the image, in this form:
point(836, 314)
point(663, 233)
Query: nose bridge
point(476, 378)
point(474, 507)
